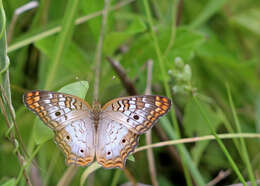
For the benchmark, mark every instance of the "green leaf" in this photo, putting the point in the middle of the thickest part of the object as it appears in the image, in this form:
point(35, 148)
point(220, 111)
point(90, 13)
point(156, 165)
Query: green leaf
point(10, 182)
point(73, 63)
point(194, 123)
point(186, 43)
point(167, 126)
point(210, 9)
point(114, 39)
point(249, 19)
point(78, 89)
point(41, 132)
point(131, 158)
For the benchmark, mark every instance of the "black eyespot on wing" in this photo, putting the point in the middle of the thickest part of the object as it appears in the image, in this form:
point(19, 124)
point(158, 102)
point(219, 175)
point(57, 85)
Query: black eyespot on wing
point(57, 113)
point(136, 117)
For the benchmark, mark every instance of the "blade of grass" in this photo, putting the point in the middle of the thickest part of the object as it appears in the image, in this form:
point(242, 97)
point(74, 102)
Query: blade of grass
point(229, 128)
point(63, 39)
point(62, 42)
point(210, 9)
point(222, 146)
point(6, 101)
point(244, 152)
point(51, 30)
point(116, 177)
point(183, 152)
point(173, 28)
point(186, 156)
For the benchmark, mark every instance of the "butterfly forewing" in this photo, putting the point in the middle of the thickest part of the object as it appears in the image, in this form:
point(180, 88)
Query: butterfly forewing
point(137, 113)
point(56, 109)
point(70, 118)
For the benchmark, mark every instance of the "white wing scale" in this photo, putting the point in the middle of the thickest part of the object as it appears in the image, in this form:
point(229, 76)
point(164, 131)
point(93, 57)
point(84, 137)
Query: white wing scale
point(114, 142)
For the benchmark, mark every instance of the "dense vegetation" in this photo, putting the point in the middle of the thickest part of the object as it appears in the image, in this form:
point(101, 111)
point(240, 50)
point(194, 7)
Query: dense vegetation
point(204, 56)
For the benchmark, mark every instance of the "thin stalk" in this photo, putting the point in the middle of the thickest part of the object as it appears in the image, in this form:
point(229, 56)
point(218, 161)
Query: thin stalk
point(68, 176)
point(2, 32)
point(28, 163)
point(197, 139)
point(6, 106)
point(180, 147)
point(222, 146)
point(244, 151)
point(90, 169)
point(148, 135)
point(14, 142)
point(99, 50)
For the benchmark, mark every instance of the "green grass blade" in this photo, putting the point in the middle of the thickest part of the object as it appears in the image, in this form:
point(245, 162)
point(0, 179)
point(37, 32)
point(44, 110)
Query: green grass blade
point(221, 144)
point(210, 9)
point(4, 60)
point(63, 40)
point(166, 125)
point(116, 177)
point(54, 28)
point(183, 152)
point(244, 151)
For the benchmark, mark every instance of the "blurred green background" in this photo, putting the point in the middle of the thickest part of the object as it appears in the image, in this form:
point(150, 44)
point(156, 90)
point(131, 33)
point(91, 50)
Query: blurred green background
point(204, 46)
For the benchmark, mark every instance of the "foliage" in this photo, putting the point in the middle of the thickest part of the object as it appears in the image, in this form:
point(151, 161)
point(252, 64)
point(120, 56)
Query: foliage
point(207, 56)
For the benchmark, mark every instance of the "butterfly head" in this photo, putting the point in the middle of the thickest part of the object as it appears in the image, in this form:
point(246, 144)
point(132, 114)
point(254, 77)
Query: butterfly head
point(96, 106)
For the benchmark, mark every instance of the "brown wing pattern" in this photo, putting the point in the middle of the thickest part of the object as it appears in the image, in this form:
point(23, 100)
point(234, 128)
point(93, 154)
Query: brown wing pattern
point(138, 113)
point(70, 118)
point(56, 109)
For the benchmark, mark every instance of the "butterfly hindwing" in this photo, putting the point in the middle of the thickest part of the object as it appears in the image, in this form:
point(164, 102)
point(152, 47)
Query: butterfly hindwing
point(76, 140)
point(114, 143)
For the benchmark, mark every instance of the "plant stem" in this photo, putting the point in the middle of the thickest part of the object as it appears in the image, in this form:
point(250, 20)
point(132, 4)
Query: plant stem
point(99, 50)
point(180, 147)
point(197, 139)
